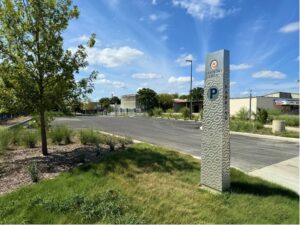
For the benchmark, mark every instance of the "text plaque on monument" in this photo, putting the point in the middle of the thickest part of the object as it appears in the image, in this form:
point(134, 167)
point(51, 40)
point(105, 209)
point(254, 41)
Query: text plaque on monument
point(215, 144)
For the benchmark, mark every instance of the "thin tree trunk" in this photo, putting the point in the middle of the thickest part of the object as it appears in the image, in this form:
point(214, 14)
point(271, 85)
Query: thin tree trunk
point(43, 133)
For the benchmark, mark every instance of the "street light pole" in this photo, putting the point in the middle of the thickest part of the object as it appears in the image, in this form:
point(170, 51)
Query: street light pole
point(250, 105)
point(191, 85)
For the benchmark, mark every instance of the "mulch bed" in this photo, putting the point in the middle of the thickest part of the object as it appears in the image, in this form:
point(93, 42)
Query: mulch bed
point(14, 163)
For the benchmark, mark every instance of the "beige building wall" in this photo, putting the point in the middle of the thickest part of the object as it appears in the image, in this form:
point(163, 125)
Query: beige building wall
point(128, 102)
point(295, 95)
point(237, 103)
point(275, 95)
point(265, 102)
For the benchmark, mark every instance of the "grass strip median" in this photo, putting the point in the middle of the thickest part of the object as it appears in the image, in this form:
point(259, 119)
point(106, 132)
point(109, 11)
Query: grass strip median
point(147, 184)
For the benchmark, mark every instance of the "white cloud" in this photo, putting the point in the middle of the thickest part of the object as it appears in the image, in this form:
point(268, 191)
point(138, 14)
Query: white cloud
point(200, 68)
point(165, 37)
point(181, 60)
point(291, 27)
point(178, 80)
point(232, 83)
point(162, 28)
point(159, 16)
point(203, 9)
point(235, 67)
point(146, 76)
point(101, 79)
point(198, 83)
point(269, 74)
point(154, 2)
point(245, 93)
point(113, 57)
point(153, 17)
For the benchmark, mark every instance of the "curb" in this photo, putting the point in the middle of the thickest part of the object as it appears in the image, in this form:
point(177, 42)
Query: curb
point(294, 140)
point(18, 124)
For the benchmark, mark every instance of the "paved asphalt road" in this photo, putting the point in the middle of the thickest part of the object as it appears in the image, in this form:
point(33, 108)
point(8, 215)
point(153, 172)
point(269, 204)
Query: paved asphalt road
point(247, 153)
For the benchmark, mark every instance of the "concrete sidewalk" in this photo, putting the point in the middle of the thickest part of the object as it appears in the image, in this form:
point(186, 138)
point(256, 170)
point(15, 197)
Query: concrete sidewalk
point(285, 173)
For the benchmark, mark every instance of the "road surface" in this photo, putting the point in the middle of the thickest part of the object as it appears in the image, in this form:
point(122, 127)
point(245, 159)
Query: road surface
point(247, 153)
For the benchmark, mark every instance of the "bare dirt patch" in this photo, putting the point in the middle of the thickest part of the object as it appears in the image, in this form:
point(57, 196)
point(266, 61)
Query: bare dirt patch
point(14, 163)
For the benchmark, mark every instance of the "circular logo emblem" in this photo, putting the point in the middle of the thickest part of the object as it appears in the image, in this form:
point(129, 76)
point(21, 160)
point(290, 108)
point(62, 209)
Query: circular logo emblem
point(214, 64)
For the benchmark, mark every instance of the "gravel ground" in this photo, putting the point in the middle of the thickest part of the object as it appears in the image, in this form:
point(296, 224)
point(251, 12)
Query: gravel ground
point(14, 163)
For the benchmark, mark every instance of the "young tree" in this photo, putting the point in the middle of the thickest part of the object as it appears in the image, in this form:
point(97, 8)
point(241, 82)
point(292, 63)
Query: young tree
point(105, 103)
point(115, 100)
point(197, 93)
point(147, 98)
point(34, 63)
point(165, 101)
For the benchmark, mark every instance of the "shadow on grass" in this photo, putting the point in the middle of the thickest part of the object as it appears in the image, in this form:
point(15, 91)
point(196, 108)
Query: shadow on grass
point(147, 161)
point(245, 184)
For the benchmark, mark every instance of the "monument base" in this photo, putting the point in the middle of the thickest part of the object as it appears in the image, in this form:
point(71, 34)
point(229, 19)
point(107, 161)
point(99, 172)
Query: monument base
point(211, 190)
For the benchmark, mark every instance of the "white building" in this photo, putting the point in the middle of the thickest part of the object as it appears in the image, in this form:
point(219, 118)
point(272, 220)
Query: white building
point(283, 101)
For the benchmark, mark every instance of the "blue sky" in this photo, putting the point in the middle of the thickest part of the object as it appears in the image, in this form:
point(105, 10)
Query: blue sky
point(144, 43)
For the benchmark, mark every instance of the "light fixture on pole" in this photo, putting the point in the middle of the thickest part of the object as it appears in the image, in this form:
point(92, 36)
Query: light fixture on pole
point(191, 107)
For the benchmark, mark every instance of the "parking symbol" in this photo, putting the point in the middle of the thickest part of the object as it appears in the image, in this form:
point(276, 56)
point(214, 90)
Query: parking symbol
point(213, 93)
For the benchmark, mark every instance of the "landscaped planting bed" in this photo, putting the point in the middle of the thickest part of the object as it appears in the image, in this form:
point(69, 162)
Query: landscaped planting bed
point(147, 184)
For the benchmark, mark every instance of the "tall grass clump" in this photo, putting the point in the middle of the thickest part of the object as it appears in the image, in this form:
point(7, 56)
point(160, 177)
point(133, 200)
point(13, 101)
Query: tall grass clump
point(157, 111)
point(16, 135)
point(261, 115)
point(29, 138)
point(290, 120)
point(248, 126)
point(111, 141)
point(90, 137)
point(185, 112)
point(33, 172)
point(243, 114)
point(61, 134)
point(125, 141)
point(5, 139)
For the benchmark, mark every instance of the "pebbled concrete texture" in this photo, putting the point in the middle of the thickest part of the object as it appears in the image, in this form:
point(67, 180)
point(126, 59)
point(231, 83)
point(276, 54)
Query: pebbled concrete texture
point(285, 173)
point(247, 153)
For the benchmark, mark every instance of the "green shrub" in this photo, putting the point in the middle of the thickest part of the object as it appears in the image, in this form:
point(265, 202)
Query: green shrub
point(261, 115)
point(60, 134)
point(5, 139)
point(29, 138)
point(248, 126)
point(185, 112)
point(150, 113)
point(157, 111)
point(170, 111)
point(33, 172)
point(90, 137)
point(243, 114)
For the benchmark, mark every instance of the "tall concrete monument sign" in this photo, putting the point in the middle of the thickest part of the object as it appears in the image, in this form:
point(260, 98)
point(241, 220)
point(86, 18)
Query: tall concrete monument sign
point(215, 144)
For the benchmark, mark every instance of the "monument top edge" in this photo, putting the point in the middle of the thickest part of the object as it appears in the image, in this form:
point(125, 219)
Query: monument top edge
point(219, 51)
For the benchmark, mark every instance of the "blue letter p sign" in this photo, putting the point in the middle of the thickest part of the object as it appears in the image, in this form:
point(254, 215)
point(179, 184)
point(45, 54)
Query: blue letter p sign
point(213, 93)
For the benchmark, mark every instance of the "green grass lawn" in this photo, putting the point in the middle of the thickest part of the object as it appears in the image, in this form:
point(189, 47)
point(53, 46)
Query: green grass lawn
point(146, 184)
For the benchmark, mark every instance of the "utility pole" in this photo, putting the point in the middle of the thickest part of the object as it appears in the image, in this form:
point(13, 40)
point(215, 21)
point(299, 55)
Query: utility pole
point(250, 106)
point(191, 85)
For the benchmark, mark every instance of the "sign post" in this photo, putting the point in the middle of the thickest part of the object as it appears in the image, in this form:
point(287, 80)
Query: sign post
point(215, 144)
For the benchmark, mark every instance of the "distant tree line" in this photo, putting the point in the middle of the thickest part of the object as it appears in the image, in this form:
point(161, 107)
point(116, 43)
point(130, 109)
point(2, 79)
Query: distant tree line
point(149, 99)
